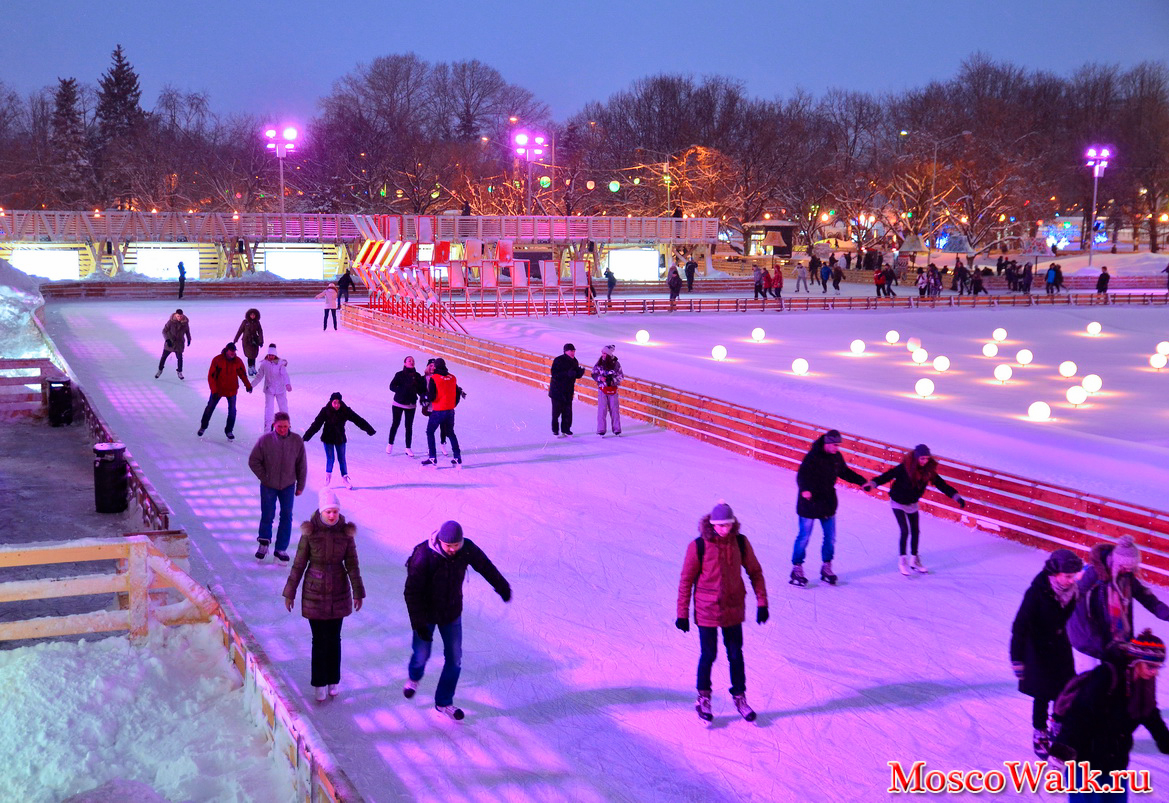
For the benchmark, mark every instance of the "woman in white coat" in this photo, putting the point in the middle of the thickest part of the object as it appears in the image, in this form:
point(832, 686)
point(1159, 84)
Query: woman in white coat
point(330, 296)
point(273, 372)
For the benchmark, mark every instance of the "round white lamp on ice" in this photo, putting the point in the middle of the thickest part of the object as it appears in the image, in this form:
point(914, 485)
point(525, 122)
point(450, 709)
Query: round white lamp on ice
point(1163, 347)
point(1024, 356)
point(719, 353)
point(913, 344)
point(1077, 395)
point(941, 364)
point(920, 356)
point(924, 387)
point(642, 336)
point(892, 336)
point(1039, 411)
point(1067, 369)
point(1094, 328)
point(999, 335)
point(1002, 373)
point(857, 347)
point(1092, 383)
point(757, 334)
point(1158, 361)
point(990, 350)
point(799, 366)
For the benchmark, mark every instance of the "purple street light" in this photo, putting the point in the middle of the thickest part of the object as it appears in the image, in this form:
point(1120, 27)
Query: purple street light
point(1097, 157)
point(282, 142)
point(530, 147)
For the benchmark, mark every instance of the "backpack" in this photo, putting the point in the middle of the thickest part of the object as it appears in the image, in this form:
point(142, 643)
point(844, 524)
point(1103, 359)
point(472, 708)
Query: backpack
point(700, 548)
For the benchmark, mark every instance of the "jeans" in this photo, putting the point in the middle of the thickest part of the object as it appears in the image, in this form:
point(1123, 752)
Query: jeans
point(339, 449)
point(325, 322)
point(804, 281)
point(212, 403)
point(708, 643)
point(452, 653)
point(827, 547)
point(446, 420)
point(398, 413)
point(562, 416)
point(326, 651)
point(269, 497)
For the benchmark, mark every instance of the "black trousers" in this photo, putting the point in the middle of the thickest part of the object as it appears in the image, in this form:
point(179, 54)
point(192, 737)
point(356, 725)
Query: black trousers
point(326, 651)
point(325, 323)
point(182, 284)
point(562, 416)
point(409, 413)
point(165, 352)
point(908, 522)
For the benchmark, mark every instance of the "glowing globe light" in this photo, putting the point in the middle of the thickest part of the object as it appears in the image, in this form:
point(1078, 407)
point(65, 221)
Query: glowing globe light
point(941, 364)
point(924, 387)
point(1158, 361)
point(719, 353)
point(1003, 372)
point(913, 344)
point(1067, 369)
point(857, 347)
point(642, 336)
point(999, 335)
point(757, 334)
point(1163, 347)
point(1092, 383)
point(1077, 395)
point(990, 350)
point(1039, 411)
point(892, 336)
point(800, 366)
point(1094, 328)
point(920, 356)
point(1024, 356)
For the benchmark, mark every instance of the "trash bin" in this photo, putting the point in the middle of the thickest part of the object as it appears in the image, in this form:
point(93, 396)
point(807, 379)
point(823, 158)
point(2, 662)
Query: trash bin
point(111, 487)
point(60, 401)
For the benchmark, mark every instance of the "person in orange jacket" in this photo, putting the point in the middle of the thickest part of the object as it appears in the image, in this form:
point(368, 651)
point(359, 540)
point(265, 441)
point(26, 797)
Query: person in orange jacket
point(223, 377)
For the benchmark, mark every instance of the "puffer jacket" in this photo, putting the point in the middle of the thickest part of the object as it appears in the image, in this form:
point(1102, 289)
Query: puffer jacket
point(275, 376)
point(225, 374)
point(817, 473)
point(332, 424)
point(608, 371)
point(1090, 628)
point(326, 558)
point(177, 333)
point(252, 334)
point(407, 385)
point(720, 596)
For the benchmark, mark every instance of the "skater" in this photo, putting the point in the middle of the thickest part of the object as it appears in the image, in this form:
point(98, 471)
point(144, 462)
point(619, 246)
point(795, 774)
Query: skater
point(816, 480)
point(279, 462)
point(435, 574)
point(801, 277)
point(561, 388)
point(837, 277)
point(765, 277)
point(674, 282)
point(331, 422)
point(712, 573)
point(1049, 280)
point(444, 394)
point(329, 294)
point(916, 471)
point(223, 377)
point(608, 376)
point(407, 385)
point(344, 282)
point(610, 282)
point(1041, 655)
point(1102, 281)
point(175, 331)
point(879, 282)
point(1059, 278)
point(976, 285)
point(182, 279)
point(273, 371)
point(777, 282)
point(826, 273)
point(327, 552)
point(757, 278)
point(689, 270)
point(253, 337)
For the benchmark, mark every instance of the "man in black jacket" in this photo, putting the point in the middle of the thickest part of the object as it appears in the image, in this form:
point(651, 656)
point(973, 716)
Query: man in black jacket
point(562, 387)
point(816, 480)
point(434, 598)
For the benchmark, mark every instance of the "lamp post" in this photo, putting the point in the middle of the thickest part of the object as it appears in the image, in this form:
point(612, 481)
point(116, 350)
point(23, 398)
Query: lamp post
point(529, 146)
point(282, 142)
point(1097, 160)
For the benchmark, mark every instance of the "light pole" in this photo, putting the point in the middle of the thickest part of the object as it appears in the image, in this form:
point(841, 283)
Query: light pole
point(530, 146)
point(282, 142)
point(1097, 160)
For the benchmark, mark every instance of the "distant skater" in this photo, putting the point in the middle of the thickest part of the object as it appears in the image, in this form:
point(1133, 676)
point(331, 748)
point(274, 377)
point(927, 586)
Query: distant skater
point(608, 376)
point(329, 294)
point(331, 422)
point(182, 279)
point(252, 334)
point(223, 377)
point(176, 333)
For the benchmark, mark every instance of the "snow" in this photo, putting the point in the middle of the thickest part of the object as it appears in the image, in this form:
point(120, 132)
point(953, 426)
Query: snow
point(581, 688)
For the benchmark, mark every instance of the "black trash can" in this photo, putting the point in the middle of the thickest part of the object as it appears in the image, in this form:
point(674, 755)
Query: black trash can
point(60, 401)
point(111, 486)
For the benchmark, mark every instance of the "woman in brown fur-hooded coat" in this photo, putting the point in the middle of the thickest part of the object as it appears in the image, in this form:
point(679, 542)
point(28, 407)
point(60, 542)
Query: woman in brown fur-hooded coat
point(253, 337)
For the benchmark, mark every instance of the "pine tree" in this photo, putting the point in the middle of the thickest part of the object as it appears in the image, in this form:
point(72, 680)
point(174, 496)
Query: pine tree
point(72, 170)
point(121, 122)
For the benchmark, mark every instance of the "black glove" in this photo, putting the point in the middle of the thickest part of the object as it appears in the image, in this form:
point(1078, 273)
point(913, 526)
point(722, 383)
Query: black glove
point(372, 432)
point(961, 502)
point(682, 624)
point(249, 390)
point(761, 614)
point(422, 634)
point(505, 595)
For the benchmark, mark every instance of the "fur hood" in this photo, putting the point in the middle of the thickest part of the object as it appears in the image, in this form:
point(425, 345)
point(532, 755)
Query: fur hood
point(249, 312)
point(315, 523)
point(1098, 560)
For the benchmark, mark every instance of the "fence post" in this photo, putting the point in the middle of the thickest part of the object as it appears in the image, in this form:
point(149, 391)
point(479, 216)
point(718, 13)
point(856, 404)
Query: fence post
point(138, 582)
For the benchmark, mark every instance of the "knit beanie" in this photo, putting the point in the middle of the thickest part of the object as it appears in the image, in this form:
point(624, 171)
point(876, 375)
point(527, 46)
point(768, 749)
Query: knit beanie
point(1125, 556)
point(722, 514)
point(921, 450)
point(327, 500)
point(335, 397)
point(1147, 647)
point(229, 347)
point(272, 349)
point(451, 532)
point(832, 436)
point(1063, 561)
point(610, 350)
point(569, 347)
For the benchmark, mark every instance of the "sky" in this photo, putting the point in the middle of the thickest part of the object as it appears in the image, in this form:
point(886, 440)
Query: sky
point(278, 59)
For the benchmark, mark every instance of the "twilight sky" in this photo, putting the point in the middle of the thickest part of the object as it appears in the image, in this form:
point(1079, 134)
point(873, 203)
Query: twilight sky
point(278, 58)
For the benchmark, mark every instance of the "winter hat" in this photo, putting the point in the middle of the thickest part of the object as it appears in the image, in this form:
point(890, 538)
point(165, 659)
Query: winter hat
point(440, 366)
point(1147, 647)
point(229, 347)
point(610, 350)
point(451, 532)
point(1125, 556)
point(327, 500)
point(832, 436)
point(569, 347)
point(335, 397)
point(1063, 561)
point(722, 514)
point(921, 450)
point(272, 349)
point(178, 312)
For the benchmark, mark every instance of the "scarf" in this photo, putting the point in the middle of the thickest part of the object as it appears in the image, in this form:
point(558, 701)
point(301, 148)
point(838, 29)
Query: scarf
point(1064, 596)
point(1119, 599)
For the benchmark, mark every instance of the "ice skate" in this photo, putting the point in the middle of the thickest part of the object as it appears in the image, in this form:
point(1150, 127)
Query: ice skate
point(797, 576)
point(903, 565)
point(328, 478)
point(1041, 743)
point(156, 376)
point(180, 373)
point(409, 688)
point(281, 556)
point(745, 711)
point(262, 551)
point(334, 689)
point(457, 462)
point(409, 452)
point(322, 693)
point(200, 432)
point(451, 711)
point(916, 565)
point(444, 449)
point(430, 461)
point(230, 436)
point(348, 482)
point(826, 574)
point(389, 448)
point(702, 706)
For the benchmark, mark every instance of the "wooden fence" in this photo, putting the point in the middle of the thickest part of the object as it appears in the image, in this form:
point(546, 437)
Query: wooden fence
point(1009, 505)
point(18, 378)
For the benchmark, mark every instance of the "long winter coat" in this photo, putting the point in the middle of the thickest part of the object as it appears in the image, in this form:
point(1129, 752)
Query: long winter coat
point(434, 581)
point(565, 371)
point(224, 375)
point(1039, 641)
point(177, 333)
point(1091, 628)
point(720, 596)
point(326, 558)
point(407, 385)
point(817, 473)
point(252, 334)
point(1102, 282)
point(332, 423)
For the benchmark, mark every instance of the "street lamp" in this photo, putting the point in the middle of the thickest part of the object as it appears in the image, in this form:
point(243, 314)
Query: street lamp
point(530, 146)
point(1097, 160)
point(282, 142)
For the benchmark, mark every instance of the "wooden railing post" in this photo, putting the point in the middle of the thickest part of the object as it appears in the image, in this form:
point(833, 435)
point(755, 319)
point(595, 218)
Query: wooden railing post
point(138, 581)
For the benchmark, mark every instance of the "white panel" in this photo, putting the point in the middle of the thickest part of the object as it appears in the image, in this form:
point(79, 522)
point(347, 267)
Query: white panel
point(52, 265)
point(163, 263)
point(299, 264)
point(634, 264)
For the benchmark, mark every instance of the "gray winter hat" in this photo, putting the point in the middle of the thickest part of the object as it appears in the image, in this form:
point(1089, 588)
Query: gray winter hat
point(722, 514)
point(1125, 556)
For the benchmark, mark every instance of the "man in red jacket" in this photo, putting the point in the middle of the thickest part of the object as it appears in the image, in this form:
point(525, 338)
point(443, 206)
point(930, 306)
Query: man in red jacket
point(223, 378)
point(442, 390)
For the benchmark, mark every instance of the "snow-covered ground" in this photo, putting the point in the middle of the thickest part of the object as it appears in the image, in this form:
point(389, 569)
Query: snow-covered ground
point(581, 688)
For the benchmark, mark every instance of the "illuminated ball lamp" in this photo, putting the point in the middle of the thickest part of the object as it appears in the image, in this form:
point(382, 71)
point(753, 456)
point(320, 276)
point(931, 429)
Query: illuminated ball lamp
point(1163, 347)
point(1039, 411)
point(857, 347)
point(1092, 383)
point(1094, 329)
point(719, 353)
point(913, 344)
point(1158, 361)
point(924, 388)
point(800, 366)
point(1067, 369)
point(757, 334)
point(892, 336)
point(1077, 395)
point(990, 350)
point(642, 336)
point(999, 335)
point(1002, 373)
point(1024, 356)
point(941, 364)
point(920, 356)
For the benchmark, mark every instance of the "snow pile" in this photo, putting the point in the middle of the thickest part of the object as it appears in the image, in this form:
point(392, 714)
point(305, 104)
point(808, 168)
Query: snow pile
point(20, 297)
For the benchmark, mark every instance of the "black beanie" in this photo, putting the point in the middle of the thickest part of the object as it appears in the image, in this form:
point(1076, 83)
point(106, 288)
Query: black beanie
point(335, 397)
point(1063, 561)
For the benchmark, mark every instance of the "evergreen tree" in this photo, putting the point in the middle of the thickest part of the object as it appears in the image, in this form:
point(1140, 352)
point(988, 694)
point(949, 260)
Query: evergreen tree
point(72, 170)
point(121, 122)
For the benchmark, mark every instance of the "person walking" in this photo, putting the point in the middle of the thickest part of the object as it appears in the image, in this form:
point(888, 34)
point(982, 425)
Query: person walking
point(444, 394)
point(674, 282)
point(1049, 280)
point(331, 422)
point(816, 481)
point(273, 372)
point(182, 279)
point(777, 282)
point(1041, 655)
point(329, 294)
point(801, 277)
point(1102, 281)
point(561, 389)
point(916, 472)
point(176, 334)
point(690, 268)
point(435, 574)
point(715, 582)
point(407, 386)
point(837, 277)
point(344, 283)
point(757, 278)
point(279, 462)
point(610, 282)
point(826, 274)
point(608, 376)
point(252, 334)
point(223, 377)
point(326, 559)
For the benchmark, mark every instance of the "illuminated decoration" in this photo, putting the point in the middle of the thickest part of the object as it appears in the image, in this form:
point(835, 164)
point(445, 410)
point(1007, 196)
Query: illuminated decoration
point(999, 335)
point(1092, 383)
point(1163, 347)
point(1003, 372)
point(757, 334)
point(1024, 356)
point(1094, 328)
point(590, 185)
point(857, 347)
point(1039, 411)
point(1097, 157)
point(920, 356)
point(942, 241)
point(941, 364)
point(637, 181)
point(1067, 369)
point(1158, 361)
point(719, 353)
point(642, 336)
point(913, 344)
point(892, 336)
point(545, 181)
point(1077, 395)
point(281, 144)
point(990, 350)
point(800, 366)
point(614, 185)
point(924, 387)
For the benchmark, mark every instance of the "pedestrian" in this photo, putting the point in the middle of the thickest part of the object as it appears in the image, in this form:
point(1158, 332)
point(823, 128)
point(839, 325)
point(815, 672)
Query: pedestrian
point(891, 278)
point(1102, 281)
point(182, 279)
point(278, 460)
point(435, 574)
point(444, 394)
point(715, 582)
point(1041, 655)
point(1028, 277)
point(327, 558)
point(923, 283)
point(176, 334)
point(1059, 278)
point(765, 276)
point(691, 267)
point(252, 334)
point(916, 472)
point(879, 282)
point(847, 260)
point(976, 285)
point(801, 277)
point(223, 377)
point(674, 282)
point(816, 481)
point(757, 279)
point(1049, 279)
point(837, 277)
point(329, 294)
point(611, 282)
point(608, 376)
point(273, 372)
point(344, 282)
point(561, 389)
point(826, 274)
point(331, 422)
point(934, 278)
point(408, 386)
point(777, 282)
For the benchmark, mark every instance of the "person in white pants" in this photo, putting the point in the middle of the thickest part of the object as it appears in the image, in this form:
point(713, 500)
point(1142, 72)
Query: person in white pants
point(608, 375)
point(273, 371)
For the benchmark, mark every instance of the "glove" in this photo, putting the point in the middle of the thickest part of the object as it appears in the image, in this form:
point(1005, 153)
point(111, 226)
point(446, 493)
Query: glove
point(868, 486)
point(961, 502)
point(422, 634)
point(682, 624)
point(1018, 669)
point(249, 390)
point(505, 595)
point(372, 432)
point(761, 614)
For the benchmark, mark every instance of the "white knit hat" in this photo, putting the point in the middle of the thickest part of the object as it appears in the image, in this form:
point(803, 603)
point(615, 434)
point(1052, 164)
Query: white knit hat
point(272, 349)
point(327, 500)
